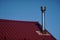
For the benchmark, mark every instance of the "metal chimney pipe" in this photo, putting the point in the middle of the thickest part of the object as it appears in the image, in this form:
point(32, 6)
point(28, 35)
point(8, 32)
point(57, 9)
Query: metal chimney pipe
point(43, 9)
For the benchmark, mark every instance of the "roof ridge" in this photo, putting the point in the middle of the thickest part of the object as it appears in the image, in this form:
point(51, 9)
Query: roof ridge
point(19, 20)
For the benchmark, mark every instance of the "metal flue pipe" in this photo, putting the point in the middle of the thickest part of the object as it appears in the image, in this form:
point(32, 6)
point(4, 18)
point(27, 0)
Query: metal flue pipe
point(43, 9)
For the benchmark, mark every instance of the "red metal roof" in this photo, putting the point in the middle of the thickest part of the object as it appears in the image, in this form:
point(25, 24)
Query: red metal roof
point(22, 30)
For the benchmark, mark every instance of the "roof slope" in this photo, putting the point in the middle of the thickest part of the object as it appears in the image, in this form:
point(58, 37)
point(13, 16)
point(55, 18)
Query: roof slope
point(22, 30)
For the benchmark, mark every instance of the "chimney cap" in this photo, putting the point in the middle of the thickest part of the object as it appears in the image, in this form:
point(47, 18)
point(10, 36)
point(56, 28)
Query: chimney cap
point(43, 9)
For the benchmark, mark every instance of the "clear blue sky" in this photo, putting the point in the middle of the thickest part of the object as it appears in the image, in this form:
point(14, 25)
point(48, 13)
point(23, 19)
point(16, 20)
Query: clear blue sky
point(29, 10)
